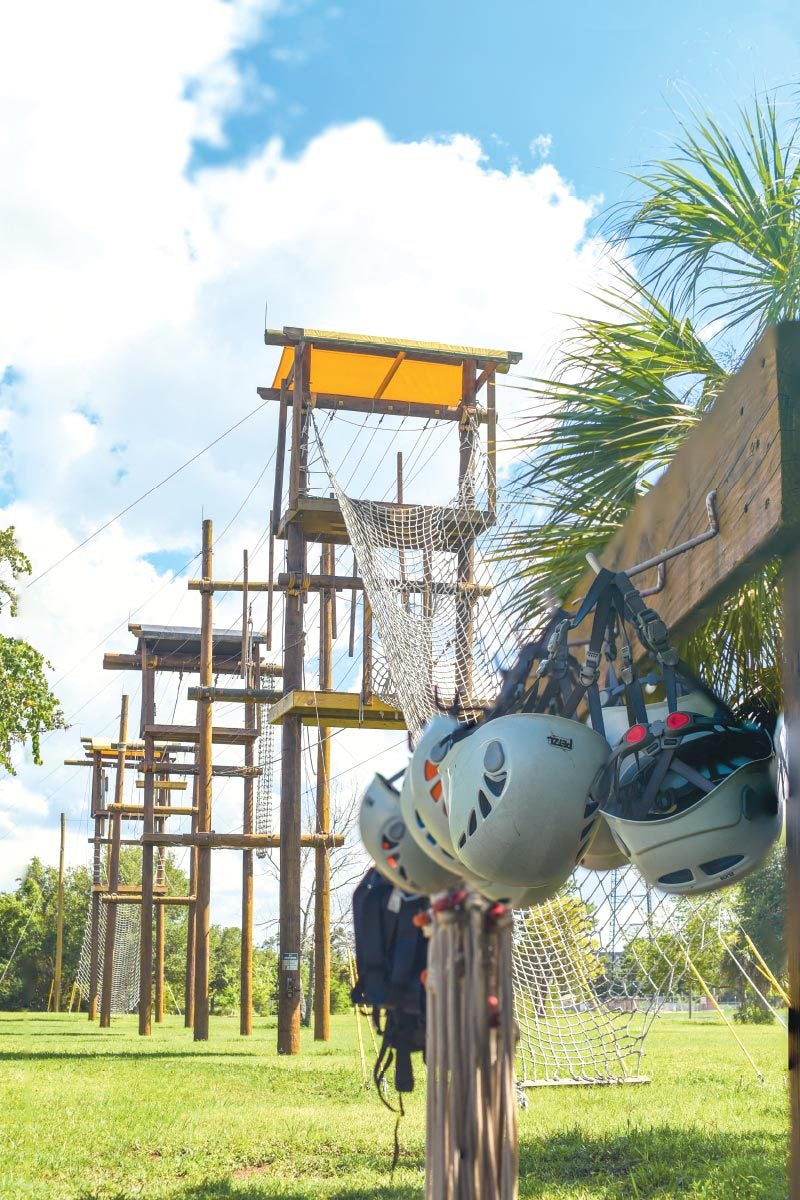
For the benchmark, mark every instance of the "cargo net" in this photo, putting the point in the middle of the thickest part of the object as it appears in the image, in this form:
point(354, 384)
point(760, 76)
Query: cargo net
point(125, 980)
point(594, 966)
point(438, 590)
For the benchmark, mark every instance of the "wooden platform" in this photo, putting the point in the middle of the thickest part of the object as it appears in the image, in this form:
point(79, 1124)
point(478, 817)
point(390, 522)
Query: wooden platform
point(222, 735)
point(336, 710)
point(321, 520)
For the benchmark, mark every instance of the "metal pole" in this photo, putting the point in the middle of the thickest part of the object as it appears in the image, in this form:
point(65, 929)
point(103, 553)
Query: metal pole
point(246, 957)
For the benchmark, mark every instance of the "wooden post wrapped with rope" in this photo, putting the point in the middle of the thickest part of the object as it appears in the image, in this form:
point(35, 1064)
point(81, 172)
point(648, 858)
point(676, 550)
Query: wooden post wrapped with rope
point(471, 1144)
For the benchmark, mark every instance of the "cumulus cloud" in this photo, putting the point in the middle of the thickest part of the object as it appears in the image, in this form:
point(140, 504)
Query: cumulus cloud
point(132, 311)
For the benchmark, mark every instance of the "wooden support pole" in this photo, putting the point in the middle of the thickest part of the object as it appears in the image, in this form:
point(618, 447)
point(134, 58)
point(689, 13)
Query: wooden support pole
point(113, 874)
point(270, 576)
point(366, 653)
point(322, 871)
point(148, 716)
point(246, 953)
point(289, 987)
point(204, 757)
point(351, 646)
point(161, 880)
point(191, 928)
point(465, 570)
point(791, 703)
point(59, 920)
point(98, 780)
point(491, 444)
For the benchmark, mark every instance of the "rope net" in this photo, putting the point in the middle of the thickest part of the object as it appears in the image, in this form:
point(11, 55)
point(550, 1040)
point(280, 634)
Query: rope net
point(125, 980)
point(437, 587)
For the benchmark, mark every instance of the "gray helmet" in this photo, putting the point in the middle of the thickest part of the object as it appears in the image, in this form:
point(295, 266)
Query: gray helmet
point(422, 799)
point(691, 802)
point(389, 844)
point(518, 790)
point(604, 853)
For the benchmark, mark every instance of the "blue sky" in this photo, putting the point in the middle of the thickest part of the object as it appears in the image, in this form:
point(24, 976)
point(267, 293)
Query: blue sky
point(602, 80)
point(364, 166)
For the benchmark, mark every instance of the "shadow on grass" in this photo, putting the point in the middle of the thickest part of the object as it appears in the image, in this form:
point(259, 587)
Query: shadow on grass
point(658, 1163)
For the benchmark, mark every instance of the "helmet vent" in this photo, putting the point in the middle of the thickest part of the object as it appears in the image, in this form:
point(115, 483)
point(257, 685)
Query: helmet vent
point(715, 865)
point(495, 786)
point(401, 871)
point(462, 841)
point(484, 804)
point(472, 823)
point(682, 876)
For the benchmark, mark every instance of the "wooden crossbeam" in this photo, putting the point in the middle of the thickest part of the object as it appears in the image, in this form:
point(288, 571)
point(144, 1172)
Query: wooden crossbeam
point(189, 733)
point(747, 449)
point(238, 841)
point(170, 785)
point(185, 664)
point(136, 810)
point(380, 407)
point(127, 898)
point(235, 695)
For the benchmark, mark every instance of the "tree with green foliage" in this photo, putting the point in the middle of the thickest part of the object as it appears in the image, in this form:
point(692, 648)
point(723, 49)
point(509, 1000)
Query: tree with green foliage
point(709, 257)
point(28, 708)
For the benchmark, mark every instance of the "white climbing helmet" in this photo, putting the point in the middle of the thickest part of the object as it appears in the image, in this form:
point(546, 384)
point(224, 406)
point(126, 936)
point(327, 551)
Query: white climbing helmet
point(394, 852)
point(422, 799)
point(514, 897)
point(603, 853)
point(616, 721)
point(518, 789)
point(691, 801)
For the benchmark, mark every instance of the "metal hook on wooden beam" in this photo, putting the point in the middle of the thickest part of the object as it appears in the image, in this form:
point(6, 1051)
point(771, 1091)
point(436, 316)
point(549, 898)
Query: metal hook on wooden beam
point(674, 551)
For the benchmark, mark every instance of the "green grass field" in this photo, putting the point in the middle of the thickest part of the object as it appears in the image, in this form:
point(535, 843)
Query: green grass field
point(87, 1114)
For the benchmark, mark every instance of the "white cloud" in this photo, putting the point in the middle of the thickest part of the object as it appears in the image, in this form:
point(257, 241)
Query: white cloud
point(132, 308)
point(541, 145)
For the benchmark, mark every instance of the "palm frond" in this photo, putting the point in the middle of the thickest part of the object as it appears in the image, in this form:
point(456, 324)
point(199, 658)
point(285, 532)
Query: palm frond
point(717, 232)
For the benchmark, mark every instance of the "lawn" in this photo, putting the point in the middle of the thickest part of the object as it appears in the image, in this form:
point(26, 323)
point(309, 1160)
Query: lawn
point(102, 1115)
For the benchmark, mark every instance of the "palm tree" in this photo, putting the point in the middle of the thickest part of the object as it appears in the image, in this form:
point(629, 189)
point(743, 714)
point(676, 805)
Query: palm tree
point(713, 258)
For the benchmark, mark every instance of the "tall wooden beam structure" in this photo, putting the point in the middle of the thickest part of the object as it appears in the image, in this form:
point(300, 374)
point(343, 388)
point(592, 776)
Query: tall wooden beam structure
point(353, 373)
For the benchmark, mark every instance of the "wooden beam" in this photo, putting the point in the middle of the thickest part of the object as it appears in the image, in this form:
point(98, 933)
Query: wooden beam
point(746, 449)
point(791, 704)
point(205, 738)
point(94, 929)
point(59, 919)
point(248, 696)
point(177, 663)
point(368, 404)
point(384, 383)
point(136, 811)
point(290, 863)
point(431, 352)
point(113, 876)
point(188, 733)
point(239, 841)
point(172, 785)
point(322, 870)
point(113, 898)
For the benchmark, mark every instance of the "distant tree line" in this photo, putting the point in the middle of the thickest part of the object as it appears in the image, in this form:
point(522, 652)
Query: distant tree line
point(28, 944)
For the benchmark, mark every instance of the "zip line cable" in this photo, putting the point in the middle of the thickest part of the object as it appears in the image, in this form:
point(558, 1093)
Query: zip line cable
point(144, 495)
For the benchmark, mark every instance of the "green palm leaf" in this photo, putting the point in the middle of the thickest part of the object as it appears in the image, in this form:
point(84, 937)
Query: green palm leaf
point(716, 237)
